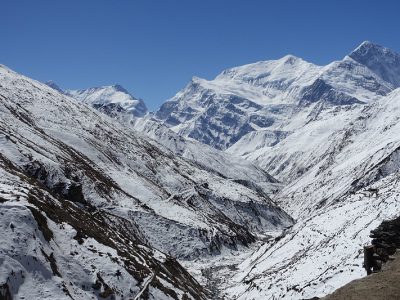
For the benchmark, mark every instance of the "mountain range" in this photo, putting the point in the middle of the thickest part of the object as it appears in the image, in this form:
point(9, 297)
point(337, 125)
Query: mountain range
point(263, 183)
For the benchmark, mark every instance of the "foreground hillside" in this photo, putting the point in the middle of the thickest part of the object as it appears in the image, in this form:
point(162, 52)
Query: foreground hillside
point(379, 286)
point(54, 249)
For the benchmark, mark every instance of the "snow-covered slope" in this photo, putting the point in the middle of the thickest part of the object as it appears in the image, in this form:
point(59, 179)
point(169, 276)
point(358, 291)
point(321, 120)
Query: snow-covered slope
point(221, 163)
point(92, 165)
point(273, 95)
point(207, 157)
point(113, 100)
point(52, 248)
point(347, 193)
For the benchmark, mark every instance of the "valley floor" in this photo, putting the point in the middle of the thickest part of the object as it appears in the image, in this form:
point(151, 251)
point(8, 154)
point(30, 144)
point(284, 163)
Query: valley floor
point(216, 273)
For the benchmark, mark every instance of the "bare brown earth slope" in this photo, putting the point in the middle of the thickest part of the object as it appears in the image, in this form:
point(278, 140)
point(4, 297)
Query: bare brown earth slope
point(384, 285)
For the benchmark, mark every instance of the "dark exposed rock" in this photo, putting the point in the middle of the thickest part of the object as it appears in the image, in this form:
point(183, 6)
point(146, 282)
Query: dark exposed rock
point(5, 293)
point(322, 91)
point(42, 224)
point(53, 264)
point(385, 242)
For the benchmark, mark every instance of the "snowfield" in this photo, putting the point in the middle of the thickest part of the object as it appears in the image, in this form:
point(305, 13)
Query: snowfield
point(320, 253)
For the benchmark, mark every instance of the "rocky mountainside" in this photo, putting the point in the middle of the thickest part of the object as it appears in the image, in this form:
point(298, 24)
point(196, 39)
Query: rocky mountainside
point(99, 204)
point(214, 160)
point(53, 248)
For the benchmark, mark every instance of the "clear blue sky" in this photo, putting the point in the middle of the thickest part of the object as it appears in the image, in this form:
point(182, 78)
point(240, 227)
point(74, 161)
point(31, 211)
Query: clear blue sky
point(153, 48)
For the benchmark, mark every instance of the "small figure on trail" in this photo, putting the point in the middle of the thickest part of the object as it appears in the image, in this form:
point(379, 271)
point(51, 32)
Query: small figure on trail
point(371, 263)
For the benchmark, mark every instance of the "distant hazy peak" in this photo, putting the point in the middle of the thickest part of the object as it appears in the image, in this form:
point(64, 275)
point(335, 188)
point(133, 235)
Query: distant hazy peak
point(110, 88)
point(54, 86)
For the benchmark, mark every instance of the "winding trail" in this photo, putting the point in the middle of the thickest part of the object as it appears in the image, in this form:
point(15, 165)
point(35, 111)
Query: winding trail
point(146, 284)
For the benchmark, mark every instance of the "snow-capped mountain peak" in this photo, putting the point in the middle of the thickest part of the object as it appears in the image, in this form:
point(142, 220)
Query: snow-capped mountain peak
point(111, 99)
point(275, 94)
point(368, 47)
point(287, 68)
point(381, 60)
